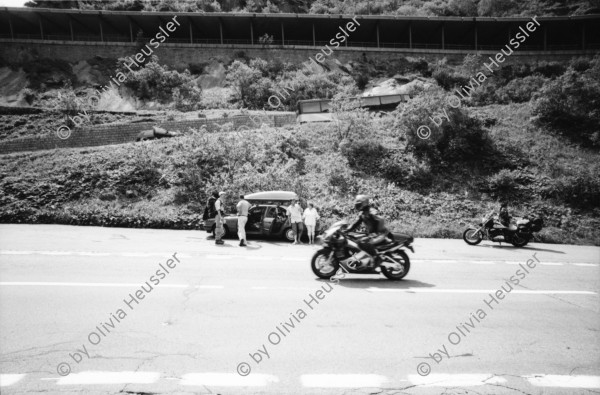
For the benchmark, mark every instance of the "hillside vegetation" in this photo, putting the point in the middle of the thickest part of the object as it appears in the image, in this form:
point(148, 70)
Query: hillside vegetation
point(165, 183)
point(529, 136)
point(495, 8)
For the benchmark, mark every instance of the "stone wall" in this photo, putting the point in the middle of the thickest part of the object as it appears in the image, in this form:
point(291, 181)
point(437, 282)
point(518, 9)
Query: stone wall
point(181, 55)
point(124, 133)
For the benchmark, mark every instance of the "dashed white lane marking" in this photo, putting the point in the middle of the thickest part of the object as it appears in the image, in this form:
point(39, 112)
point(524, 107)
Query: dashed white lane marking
point(309, 380)
point(342, 380)
point(10, 379)
point(90, 377)
point(551, 380)
point(476, 291)
point(258, 288)
point(455, 380)
point(228, 379)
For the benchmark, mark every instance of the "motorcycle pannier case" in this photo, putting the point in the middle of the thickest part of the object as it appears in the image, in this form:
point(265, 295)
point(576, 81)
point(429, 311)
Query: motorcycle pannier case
point(537, 224)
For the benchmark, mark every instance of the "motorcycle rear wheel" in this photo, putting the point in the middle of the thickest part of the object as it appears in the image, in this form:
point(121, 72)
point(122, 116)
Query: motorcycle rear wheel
point(519, 241)
point(397, 275)
point(324, 259)
point(468, 237)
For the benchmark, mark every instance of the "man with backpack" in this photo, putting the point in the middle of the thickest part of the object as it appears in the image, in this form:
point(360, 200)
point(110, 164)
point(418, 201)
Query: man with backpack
point(209, 210)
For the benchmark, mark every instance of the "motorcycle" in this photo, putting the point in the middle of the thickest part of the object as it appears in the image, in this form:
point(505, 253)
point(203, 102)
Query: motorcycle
point(518, 235)
point(341, 250)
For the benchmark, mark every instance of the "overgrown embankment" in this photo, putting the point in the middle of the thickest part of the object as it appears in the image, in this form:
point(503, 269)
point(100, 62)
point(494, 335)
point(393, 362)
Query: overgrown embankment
point(164, 183)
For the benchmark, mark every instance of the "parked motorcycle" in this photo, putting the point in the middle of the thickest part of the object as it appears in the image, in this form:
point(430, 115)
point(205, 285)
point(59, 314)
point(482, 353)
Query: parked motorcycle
point(490, 229)
point(341, 249)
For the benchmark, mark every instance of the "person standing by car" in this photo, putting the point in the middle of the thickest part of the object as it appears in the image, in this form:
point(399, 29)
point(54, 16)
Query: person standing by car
point(310, 220)
point(294, 211)
point(219, 206)
point(242, 213)
point(209, 210)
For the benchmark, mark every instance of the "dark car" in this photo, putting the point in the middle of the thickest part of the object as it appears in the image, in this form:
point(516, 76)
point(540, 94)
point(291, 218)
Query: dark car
point(267, 217)
point(154, 133)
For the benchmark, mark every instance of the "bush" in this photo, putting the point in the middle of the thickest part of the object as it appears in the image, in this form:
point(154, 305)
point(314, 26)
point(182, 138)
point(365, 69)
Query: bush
point(307, 85)
point(364, 155)
point(406, 170)
point(461, 139)
point(520, 90)
point(507, 184)
point(570, 104)
point(581, 190)
point(549, 69)
point(448, 79)
point(157, 82)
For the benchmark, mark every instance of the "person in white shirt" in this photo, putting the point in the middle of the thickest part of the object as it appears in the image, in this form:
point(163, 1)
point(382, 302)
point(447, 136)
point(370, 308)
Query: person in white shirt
point(310, 220)
point(219, 231)
point(242, 207)
point(295, 213)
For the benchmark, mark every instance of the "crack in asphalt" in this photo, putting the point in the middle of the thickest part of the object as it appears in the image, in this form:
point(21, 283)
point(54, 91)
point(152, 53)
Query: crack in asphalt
point(557, 298)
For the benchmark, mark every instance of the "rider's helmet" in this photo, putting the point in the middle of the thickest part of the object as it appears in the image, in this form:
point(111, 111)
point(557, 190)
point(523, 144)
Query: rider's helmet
point(361, 202)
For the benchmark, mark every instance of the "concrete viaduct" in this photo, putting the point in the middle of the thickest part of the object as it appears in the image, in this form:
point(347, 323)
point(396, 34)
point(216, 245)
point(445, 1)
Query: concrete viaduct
point(75, 35)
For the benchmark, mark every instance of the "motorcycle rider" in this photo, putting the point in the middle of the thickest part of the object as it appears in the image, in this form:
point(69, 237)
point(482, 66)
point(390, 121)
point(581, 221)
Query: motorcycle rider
point(504, 215)
point(375, 224)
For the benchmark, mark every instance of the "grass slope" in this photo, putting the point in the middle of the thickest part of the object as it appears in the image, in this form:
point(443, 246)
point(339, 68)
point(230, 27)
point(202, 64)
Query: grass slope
point(164, 183)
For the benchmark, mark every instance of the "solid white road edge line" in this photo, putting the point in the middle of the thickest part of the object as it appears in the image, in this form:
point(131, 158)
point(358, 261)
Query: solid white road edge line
point(267, 257)
point(371, 289)
point(117, 285)
point(478, 291)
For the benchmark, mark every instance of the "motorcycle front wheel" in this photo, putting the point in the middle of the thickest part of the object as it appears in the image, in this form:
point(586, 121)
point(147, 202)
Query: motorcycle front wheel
point(472, 236)
point(397, 274)
point(324, 264)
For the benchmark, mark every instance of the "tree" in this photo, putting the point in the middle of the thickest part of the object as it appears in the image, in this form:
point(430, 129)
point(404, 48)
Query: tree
point(498, 8)
point(241, 76)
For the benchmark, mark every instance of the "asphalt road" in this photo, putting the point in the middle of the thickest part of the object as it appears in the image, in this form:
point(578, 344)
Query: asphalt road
point(65, 299)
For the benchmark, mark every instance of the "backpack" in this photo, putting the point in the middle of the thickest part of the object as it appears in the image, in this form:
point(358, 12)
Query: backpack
point(210, 211)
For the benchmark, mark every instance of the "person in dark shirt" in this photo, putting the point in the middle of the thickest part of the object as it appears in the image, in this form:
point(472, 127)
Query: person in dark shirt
point(504, 215)
point(374, 224)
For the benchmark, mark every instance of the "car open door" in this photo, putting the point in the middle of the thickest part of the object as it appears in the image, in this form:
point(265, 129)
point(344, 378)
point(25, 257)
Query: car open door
point(255, 220)
point(268, 220)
